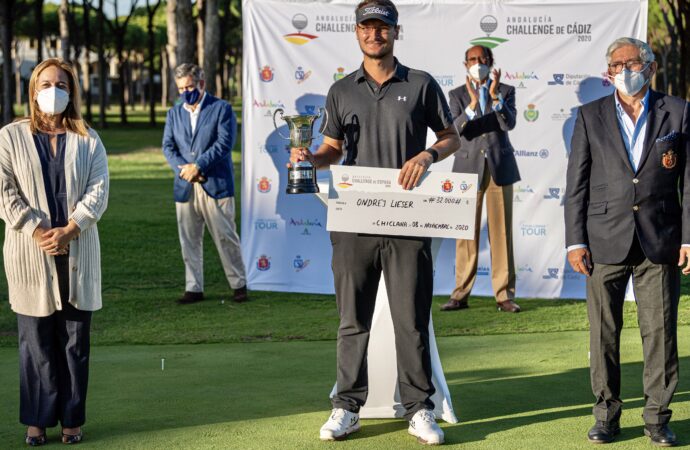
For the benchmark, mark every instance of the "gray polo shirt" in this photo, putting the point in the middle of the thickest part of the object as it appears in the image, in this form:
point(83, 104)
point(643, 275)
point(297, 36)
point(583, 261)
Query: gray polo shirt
point(386, 126)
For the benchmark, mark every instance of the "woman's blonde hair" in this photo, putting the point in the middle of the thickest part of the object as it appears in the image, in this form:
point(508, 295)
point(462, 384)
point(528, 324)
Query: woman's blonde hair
point(71, 117)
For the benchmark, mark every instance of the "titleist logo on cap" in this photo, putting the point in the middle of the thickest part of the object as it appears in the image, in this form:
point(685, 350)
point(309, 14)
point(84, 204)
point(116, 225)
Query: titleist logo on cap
point(375, 10)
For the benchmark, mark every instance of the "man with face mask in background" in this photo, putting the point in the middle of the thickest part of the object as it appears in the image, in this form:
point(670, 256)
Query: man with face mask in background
point(627, 173)
point(197, 141)
point(483, 112)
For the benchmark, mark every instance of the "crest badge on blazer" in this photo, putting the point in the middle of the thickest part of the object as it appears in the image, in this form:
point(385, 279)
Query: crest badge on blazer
point(669, 159)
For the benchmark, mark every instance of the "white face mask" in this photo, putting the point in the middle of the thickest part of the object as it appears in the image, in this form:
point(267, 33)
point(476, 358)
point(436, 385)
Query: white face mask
point(479, 72)
point(52, 100)
point(629, 82)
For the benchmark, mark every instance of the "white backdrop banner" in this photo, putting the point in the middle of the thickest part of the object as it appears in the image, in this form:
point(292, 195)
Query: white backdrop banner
point(552, 51)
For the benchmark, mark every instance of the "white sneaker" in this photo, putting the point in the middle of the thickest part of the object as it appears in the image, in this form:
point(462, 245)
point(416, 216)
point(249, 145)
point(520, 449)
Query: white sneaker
point(423, 425)
point(341, 423)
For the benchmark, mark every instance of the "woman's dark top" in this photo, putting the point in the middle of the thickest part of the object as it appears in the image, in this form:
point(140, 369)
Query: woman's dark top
point(54, 177)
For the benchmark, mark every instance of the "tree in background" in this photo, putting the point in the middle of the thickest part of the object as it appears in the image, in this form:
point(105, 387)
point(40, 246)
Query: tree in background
point(150, 14)
point(118, 26)
point(211, 44)
point(185, 32)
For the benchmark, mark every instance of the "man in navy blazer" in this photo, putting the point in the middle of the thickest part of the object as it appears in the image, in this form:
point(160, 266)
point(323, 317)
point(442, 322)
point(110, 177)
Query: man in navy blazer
point(197, 142)
point(627, 214)
point(483, 114)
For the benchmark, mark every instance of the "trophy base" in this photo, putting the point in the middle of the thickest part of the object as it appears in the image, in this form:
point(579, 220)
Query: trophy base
point(308, 189)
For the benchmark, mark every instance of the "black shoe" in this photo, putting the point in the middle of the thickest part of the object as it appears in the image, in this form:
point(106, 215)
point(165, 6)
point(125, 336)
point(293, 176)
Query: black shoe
point(660, 435)
point(190, 297)
point(454, 305)
point(603, 432)
point(240, 295)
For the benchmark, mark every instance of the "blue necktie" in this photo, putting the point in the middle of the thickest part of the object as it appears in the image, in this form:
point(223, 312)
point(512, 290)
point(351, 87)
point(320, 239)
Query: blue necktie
point(482, 98)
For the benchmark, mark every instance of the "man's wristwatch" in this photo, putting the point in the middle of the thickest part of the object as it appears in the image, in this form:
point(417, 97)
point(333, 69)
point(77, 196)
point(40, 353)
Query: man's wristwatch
point(433, 153)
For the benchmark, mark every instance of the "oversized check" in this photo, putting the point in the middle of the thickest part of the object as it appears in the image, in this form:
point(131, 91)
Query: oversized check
point(370, 200)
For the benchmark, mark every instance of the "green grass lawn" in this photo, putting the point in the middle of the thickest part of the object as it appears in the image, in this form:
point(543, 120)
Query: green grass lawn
point(257, 375)
point(518, 391)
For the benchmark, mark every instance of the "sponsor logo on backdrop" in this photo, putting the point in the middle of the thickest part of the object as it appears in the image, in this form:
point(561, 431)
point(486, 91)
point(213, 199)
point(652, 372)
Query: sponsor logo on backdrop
point(523, 270)
point(268, 104)
point(268, 149)
point(488, 24)
point(543, 153)
point(522, 76)
point(530, 229)
point(483, 271)
point(554, 273)
point(265, 224)
point(302, 75)
point(561, 115)
point(447, 186)
point(264, 185)
point(300, 22)
point(531, 113)
point(543, 25)
point(551, 273)
point(299, 263)
point(521, 191)
point(337, 23)
point(266, 74)
point(339, 74)
point(445, 80)
point(263, 263)
point(567, 79)
point(554, 193)
point(605, 79)
point(521, 85)
point(305, 224)
point(557, 79)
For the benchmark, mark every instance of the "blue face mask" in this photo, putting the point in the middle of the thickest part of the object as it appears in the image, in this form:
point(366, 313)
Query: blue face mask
point(191, 97)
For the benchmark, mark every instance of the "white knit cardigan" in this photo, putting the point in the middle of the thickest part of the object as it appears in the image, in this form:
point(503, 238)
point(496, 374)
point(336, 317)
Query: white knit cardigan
point(31, 274)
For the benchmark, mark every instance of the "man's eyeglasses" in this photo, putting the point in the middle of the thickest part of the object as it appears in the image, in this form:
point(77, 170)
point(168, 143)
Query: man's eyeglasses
point(477, 59)
point(635, 65)
point(369, 29)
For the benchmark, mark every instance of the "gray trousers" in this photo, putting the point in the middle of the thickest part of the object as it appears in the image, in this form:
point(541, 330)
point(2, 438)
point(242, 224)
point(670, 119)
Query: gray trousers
point(54, 362)
point(406, 263)
point(219, 216)
point(657, 291)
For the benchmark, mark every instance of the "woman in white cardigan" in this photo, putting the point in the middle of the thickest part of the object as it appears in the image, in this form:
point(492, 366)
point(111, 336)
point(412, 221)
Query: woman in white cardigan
point(53, 190)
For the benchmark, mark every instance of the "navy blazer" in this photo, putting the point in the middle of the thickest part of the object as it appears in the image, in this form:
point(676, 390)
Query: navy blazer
point(607, 202)
point(484, 140)
point(209, 147)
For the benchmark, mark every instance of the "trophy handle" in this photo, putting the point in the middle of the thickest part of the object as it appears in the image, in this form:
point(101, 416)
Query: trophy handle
point(324, 123)
point(278, 110)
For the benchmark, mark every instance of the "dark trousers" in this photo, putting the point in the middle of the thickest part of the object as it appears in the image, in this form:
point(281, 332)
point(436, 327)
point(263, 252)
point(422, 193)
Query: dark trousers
point(54, 363)
point(406, 263)
point(657, 291)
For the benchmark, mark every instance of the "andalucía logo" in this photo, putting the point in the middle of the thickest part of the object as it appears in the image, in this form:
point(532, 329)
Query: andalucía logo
point(300, 264)
point(345, 181)
point(263, 263)
point(488, 24)
point(447, 186)
point(266, 74)
point(300, 22)
point(531, 113)
point(340, 74)
point(301, 75)
point(264, 185)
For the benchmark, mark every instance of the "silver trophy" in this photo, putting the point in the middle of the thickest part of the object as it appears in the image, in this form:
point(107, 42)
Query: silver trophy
point(302, 174)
